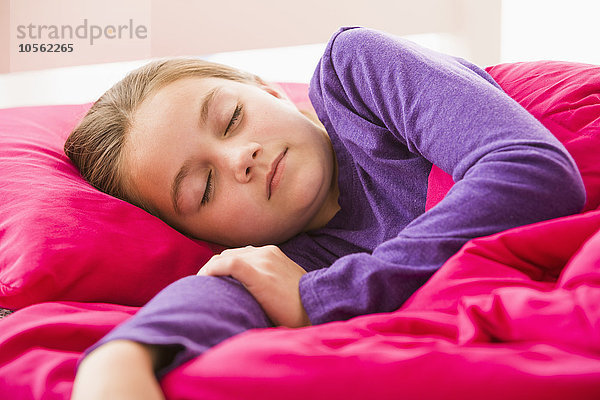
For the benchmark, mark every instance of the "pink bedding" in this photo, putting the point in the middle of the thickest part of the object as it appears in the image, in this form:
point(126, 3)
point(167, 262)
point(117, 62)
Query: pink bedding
point(511, 316)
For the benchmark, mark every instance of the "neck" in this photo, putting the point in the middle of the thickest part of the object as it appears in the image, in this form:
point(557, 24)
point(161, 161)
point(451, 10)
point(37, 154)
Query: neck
point(330, 206)
point(328, 211)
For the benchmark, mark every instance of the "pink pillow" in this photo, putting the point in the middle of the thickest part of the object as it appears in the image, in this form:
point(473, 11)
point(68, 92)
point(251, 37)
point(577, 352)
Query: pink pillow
point(563, 96)
point(61, 239)
point(64, 240)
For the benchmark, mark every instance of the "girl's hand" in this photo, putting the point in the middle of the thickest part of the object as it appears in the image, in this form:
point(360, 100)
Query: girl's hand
point(120, 369)
point(269, 275)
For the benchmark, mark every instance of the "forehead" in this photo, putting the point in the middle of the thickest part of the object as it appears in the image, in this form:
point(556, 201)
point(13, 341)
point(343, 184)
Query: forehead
point(173, 105)
point(178, 92)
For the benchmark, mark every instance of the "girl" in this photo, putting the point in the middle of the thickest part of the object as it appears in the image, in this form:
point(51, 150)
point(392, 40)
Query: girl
point(223, 156)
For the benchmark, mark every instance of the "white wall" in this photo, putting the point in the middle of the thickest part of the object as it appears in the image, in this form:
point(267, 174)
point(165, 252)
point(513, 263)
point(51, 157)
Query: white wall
point(566, 30)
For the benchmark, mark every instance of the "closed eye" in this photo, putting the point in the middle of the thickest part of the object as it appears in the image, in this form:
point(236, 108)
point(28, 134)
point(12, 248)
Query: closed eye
point(234, 117)
point(208, 190)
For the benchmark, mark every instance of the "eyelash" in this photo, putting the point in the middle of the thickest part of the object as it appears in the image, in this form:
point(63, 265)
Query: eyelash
point(209, 181)
point(235, 116)
point(208, 190)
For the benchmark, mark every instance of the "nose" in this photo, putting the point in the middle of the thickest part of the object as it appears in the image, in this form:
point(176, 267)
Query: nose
point(244, 159)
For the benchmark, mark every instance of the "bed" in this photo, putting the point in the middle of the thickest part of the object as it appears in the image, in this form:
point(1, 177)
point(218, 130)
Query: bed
point(513, 315)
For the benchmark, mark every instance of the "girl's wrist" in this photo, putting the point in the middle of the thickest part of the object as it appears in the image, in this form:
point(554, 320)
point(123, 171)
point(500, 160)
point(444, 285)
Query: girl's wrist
point(120, 351)
point(130, 352)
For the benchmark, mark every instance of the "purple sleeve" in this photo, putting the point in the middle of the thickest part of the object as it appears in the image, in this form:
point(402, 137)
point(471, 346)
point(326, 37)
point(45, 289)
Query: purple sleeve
point(509, 170)
point(190, 316)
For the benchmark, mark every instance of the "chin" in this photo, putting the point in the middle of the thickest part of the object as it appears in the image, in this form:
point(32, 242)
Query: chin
point(252, 240)
point(279, 234)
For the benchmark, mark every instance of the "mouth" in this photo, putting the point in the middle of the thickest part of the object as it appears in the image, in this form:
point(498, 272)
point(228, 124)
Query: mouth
point(275, 172)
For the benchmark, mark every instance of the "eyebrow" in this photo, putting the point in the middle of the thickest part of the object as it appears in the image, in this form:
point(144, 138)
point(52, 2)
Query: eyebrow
point(207, 101)
point(184, 171)
point(176, 185)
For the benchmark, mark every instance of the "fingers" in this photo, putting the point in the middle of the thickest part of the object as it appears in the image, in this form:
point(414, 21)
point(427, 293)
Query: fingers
point(216, 265)
point(254, 267)
point(232, 262)
point(220, 265)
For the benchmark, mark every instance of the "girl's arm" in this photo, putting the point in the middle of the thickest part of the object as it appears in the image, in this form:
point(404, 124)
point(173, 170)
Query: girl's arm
point(181, 322)
point(376, 91)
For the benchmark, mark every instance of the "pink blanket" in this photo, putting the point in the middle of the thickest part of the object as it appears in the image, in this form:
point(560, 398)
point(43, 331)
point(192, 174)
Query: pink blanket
point(515, 315)
point(511, 316)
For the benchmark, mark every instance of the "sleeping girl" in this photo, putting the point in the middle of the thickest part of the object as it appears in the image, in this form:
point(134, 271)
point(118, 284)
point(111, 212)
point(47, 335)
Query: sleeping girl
point(324, 216)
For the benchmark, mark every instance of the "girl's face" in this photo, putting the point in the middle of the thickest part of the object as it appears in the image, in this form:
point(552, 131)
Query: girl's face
point(232, 163)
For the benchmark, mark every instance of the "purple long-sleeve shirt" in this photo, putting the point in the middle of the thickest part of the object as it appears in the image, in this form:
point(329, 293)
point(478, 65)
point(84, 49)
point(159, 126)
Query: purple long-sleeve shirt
point(392, 109)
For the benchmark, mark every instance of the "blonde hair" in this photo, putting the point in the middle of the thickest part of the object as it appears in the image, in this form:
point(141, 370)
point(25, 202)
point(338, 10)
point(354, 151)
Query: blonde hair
point(95, 146)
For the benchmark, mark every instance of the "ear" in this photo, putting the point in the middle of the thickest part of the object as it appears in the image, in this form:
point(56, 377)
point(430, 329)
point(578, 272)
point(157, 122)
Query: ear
point(273, 89)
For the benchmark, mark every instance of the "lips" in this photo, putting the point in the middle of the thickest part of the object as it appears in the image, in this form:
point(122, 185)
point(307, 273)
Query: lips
point(274, 175)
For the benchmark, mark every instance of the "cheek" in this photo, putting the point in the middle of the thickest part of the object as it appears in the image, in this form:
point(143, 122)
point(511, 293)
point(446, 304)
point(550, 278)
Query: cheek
point(248, 227)
point(308, 180)
point(238, 211)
